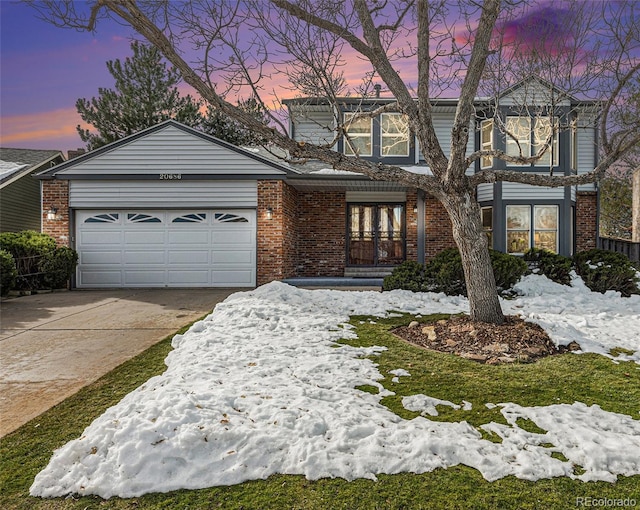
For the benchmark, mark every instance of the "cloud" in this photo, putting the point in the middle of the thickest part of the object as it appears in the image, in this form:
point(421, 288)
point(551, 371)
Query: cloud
point(546, 28)
point(54, 129)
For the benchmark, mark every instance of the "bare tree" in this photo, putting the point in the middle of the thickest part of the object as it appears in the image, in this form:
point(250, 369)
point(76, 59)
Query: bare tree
point(441, 44)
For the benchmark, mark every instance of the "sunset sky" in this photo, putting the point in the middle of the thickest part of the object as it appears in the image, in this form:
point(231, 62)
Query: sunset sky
point(45, 69)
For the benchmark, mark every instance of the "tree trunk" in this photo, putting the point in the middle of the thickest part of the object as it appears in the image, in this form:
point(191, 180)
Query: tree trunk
point(464, 212)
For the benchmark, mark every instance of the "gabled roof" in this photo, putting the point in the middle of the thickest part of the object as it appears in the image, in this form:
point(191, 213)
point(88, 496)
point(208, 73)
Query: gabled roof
point(16, 163)
point(168, 147)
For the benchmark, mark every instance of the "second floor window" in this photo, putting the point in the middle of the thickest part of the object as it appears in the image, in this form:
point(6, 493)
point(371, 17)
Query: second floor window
point(486, 142)
point(394, 133)
point(359, 135)
point(526, 136)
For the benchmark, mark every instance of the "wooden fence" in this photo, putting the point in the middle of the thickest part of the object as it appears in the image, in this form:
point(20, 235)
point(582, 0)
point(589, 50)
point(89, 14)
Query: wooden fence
point(624, 246)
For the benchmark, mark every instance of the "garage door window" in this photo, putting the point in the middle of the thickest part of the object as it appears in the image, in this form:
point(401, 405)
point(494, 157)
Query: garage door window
point(104, 218)
point(191, 218)
point(229, 218)
point(142, 218)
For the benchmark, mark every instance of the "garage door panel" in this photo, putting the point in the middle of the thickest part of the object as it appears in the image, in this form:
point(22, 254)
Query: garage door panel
point(189, 237)
point(145, 278)
point(101, 278)
point(243, 238)
point(144, 237)
point(100, 257)
point(190, 257)
point(232, 278)
point(235, 257)
point(106, 237)
point(188, 278)
point(144, 257)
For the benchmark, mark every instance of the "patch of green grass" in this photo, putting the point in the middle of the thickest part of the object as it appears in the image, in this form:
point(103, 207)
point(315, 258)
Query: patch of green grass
point(591, 379)
point(617, 351)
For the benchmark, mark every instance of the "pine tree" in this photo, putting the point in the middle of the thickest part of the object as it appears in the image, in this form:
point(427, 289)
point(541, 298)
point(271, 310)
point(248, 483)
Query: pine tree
point(145, 94)
point(218, 124)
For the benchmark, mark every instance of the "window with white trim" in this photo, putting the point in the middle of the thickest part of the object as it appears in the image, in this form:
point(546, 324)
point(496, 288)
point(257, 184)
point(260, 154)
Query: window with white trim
point(518, 137)
point(544, 136)
point(526, 230)
point(486, 142)
point(487, 223)
point(394, 135)
point(522, 140)
point(359, 135)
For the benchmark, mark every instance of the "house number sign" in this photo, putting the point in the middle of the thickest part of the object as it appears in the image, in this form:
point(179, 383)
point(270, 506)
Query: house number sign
point(170, 177)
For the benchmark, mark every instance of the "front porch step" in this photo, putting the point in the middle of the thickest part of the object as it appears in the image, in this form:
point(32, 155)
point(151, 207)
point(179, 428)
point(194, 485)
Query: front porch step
point(367, 272)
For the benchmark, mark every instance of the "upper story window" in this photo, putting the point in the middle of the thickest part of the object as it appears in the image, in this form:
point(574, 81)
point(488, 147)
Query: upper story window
point(486, 142)
point(528, 135)
point(359, 133)
point(394, 133)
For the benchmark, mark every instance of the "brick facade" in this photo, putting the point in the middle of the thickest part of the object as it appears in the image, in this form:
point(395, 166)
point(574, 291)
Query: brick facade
point(277, 236)
point(586, 220)
point(306, 235)
point(438, 229)
point(55, 195)
point(322, 223)
point(411, 227)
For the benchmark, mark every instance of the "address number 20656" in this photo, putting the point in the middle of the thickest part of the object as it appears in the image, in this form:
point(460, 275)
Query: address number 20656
point(170, 177)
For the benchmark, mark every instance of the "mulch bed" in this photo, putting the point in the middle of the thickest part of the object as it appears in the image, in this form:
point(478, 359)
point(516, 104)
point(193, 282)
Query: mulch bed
point(515, 340)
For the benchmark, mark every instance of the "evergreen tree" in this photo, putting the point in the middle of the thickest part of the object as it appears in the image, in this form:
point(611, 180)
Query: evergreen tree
point(145, 94)
point(218, 124)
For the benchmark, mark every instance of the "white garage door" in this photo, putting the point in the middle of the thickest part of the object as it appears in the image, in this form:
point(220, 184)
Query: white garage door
point(151, 248)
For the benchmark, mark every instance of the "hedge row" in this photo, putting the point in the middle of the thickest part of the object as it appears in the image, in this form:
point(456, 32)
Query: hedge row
point(30, 260)
point(601, 271)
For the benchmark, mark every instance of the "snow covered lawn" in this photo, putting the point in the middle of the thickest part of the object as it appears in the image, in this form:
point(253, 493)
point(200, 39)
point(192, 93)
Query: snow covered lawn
point(261, 387)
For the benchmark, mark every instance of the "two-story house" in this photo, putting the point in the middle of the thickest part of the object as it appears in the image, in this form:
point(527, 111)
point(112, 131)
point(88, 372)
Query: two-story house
point(171, 206)
point(519, 122)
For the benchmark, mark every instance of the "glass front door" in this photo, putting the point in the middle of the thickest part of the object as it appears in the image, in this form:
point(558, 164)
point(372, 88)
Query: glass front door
point(376, 234)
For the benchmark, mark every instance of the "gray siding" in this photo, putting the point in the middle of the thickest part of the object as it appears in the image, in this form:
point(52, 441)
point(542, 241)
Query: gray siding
point(20, 205)
point(163, 194)
point(171, 150)
point(517, 191)
point(532, 93)
point(317, 127)
point(586, 149)
point(485, 192)
point(443, 122)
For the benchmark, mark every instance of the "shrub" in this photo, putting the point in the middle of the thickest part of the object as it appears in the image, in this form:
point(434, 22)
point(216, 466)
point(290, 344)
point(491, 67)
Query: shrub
point(58, 266)
point(553, 266)
point(603, 270)
point(8, 272)
point(38, 262)
point(28, 248)
point(407, 276)
point(444, 273)
point(507, 269)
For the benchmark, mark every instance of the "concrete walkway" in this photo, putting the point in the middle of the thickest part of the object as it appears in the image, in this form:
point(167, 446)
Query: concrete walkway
point(51, 345)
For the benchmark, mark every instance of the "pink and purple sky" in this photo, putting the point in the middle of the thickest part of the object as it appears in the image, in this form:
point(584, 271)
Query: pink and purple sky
point(45, 69)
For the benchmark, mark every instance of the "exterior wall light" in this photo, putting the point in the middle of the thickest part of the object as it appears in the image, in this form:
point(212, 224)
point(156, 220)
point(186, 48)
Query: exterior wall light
point(52, 214)
point(269, 213)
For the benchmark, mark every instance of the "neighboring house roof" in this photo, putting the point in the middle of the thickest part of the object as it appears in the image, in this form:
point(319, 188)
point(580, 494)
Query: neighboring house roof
point(84, 166)
point(15, 163)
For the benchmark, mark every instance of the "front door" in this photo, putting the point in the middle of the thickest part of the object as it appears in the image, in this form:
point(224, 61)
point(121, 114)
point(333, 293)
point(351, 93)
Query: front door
point(376, 234)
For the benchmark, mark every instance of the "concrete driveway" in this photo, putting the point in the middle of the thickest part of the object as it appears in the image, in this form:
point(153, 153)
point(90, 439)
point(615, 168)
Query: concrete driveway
point(51, 345)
